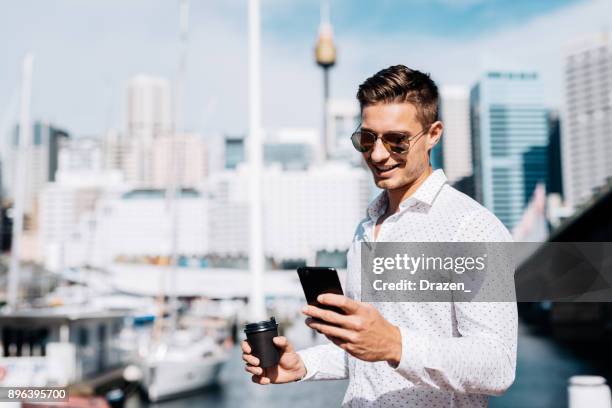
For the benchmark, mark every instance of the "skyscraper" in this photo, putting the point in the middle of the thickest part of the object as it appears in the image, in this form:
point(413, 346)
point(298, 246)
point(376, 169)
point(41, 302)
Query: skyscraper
point(148, 110)
point(42, 161)
point(456, 143)
point(587, 125)
point(509, 141)
point(148, 116)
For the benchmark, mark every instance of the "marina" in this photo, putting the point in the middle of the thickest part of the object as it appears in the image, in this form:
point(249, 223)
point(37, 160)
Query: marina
point(196, 165)
point(119, 354)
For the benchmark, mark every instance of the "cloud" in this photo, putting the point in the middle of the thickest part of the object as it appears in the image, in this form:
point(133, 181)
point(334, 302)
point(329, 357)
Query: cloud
point(537, 44)
point(84, 54)
point(292, 84)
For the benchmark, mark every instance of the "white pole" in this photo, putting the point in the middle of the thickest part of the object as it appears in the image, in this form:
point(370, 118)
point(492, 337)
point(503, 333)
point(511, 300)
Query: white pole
point(23, 146)
point(176, 163)
point(256, 258)
point(180, 83)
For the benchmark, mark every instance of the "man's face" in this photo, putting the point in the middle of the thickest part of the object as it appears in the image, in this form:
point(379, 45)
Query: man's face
point(391, 170)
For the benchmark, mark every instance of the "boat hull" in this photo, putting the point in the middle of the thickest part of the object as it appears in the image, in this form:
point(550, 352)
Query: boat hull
point(169, 379)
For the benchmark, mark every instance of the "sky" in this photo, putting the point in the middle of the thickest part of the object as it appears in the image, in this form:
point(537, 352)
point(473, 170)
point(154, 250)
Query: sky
point(85, 51)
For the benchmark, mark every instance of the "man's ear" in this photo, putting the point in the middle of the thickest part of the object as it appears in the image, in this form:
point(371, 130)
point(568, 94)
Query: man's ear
point(435, 133)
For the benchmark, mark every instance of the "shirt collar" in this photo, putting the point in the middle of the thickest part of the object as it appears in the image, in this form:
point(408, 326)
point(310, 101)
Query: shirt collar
point(426, 194)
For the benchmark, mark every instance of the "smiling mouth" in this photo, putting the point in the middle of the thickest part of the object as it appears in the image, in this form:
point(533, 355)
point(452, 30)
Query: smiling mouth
point(385, 169)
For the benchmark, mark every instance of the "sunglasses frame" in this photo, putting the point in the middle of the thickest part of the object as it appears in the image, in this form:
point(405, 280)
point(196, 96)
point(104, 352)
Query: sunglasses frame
point(407, 138)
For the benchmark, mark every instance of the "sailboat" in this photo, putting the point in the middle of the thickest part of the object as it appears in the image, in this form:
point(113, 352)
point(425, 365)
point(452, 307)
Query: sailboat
point(180, 359)
point(182, 362)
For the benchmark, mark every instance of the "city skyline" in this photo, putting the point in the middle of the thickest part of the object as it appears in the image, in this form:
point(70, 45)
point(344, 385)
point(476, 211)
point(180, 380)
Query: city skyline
point(88, 66)
point(496, 149)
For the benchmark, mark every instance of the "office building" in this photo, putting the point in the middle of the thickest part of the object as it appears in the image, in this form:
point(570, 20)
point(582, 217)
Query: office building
point(314, 210)
point(292, 148)
point(148, 116)
point(137, 223)
point(41, 157)
point(305, 211)
point(148, 110)
point(456, 143)
point(180, 160)
point(80, 154)
point(587, 125)
point(66, 212)
point(509, 141)
point(234, 151)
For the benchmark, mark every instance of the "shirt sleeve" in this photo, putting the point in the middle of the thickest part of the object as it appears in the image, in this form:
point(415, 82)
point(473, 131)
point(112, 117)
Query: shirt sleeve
point(482, 360)
point(324, 362)
point(481, 356)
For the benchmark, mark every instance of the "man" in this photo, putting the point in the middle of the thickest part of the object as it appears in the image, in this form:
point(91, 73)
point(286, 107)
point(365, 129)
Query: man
point(414, 354)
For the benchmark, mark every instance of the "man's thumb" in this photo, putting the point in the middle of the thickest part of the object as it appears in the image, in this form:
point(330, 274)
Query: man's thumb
point(282, 343)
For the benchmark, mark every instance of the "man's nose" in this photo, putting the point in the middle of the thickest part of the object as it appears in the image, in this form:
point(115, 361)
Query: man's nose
point(379, 153)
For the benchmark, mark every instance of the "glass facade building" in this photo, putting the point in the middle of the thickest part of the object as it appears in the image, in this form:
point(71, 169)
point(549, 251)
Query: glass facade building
point(509, 141)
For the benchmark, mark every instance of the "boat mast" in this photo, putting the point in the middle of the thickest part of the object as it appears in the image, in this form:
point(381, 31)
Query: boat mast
point(176, 162)
point(256, 255)
point(23, 145)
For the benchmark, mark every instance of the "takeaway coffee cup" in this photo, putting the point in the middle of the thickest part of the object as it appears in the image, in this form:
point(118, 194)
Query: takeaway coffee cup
point(259, 336)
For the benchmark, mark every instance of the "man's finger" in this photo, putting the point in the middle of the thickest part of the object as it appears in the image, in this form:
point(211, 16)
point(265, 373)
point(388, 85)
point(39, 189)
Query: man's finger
point(282, 343)
point(254, 370)
point(331, 299)
point(329, 316)
point(329, 330)
point(250, 359)
point(246, 347)
point(258, 379)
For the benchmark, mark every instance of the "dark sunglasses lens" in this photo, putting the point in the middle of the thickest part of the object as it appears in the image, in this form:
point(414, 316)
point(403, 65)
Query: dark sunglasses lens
point(396, 142)
point(363, 141)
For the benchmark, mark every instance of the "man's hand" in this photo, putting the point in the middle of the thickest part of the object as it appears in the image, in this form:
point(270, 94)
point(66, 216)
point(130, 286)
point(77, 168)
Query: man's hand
point(362, 331)
point(290, 367)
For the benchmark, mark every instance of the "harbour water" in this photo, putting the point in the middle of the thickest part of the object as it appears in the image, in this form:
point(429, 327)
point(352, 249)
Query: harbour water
point(543, 369)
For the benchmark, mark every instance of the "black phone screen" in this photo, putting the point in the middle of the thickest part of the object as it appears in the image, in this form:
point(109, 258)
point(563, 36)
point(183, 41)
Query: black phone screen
point(316, 280)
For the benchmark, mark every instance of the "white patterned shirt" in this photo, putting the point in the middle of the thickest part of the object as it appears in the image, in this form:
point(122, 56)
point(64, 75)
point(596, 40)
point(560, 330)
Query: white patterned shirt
point(454, 354)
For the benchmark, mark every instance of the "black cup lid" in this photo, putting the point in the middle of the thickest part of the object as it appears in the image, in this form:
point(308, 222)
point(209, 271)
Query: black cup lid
point(261, 326)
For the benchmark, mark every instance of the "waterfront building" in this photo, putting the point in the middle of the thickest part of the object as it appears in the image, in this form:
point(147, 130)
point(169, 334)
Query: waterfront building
point(305, 211)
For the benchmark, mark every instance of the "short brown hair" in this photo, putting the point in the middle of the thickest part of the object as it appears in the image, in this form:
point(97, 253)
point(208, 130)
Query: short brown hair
point(399, 83)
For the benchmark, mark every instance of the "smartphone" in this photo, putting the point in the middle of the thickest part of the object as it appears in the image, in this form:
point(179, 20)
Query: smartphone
point(316, 280)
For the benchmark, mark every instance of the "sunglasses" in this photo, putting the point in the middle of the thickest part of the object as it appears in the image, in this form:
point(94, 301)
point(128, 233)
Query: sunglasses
point(395, 142)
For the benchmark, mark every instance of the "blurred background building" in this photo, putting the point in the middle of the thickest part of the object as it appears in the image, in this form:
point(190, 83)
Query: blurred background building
point(148, 118)
point(587, 125)
point(41, 161)
point(509, 139)
point(456, 143)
